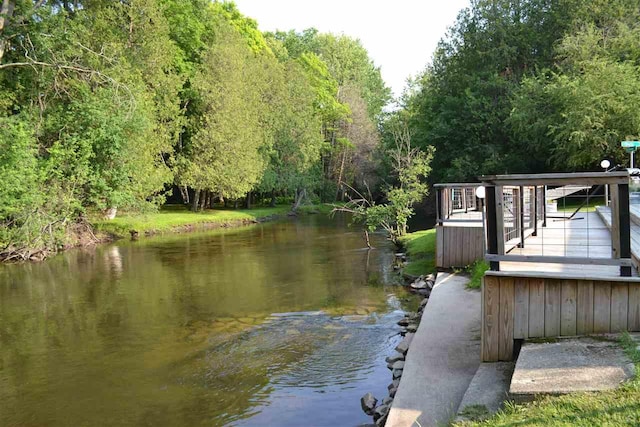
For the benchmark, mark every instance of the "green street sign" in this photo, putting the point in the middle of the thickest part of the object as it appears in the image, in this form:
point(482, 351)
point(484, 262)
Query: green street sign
point(630, 146)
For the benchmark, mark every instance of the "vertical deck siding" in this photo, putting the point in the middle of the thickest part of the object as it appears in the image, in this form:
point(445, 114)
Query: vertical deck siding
point(517, 307)
point(458, 246)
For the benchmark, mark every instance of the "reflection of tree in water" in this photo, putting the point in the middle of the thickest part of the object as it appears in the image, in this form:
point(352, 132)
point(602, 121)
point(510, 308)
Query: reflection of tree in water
point(133, 333)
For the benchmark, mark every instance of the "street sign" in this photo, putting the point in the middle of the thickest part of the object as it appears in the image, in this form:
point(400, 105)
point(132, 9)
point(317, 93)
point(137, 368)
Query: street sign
point(630, 146)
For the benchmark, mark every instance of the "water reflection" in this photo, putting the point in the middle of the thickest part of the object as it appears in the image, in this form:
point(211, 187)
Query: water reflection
point(185, 330)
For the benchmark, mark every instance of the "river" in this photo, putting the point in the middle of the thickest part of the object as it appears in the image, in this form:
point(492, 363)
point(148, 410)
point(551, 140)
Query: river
point(278, 324)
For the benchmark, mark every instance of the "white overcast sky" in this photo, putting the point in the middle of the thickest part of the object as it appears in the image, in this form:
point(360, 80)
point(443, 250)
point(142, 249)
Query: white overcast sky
point(400, 35)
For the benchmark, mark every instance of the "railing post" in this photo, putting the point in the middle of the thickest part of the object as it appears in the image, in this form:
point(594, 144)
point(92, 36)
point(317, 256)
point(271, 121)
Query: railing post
point(492, 225)
point(520, 212)
point(544, 204)
point(464, 198)
point(535, 210)
point(624, 224)
point(438, 206)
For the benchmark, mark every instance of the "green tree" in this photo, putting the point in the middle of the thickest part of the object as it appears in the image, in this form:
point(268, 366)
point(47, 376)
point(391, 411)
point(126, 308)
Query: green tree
point(226, 155)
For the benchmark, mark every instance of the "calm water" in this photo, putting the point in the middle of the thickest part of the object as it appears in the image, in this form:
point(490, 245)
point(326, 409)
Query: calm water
point(279, 324)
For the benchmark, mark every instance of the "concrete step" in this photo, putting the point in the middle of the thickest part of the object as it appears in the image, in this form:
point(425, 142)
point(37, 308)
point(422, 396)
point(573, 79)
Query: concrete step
point(488, 390)
point(569, 365)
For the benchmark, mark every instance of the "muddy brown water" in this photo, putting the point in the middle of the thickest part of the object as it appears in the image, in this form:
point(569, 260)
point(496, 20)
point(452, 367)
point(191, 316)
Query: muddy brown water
point(277, 324)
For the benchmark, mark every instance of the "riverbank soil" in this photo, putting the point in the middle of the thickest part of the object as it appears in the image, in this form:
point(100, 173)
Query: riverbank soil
point(443, 357)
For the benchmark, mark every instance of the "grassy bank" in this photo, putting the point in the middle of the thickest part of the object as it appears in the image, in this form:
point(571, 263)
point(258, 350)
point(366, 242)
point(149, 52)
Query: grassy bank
point(620, 407)
point(179, 218)
point(421, 248)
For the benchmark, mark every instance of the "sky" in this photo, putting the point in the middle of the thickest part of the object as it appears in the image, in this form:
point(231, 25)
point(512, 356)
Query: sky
point(400, 35)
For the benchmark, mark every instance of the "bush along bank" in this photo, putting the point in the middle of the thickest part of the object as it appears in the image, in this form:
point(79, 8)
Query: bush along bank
point(379, 410)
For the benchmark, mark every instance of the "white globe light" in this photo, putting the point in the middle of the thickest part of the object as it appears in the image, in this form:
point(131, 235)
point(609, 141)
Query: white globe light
point(605, 164)
point(480, 192)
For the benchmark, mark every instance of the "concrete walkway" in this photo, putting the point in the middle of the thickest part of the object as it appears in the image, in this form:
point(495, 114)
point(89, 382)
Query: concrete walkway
point(443, 358)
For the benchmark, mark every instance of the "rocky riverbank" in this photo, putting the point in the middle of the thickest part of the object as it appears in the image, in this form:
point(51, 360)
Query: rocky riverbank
point(379, 409)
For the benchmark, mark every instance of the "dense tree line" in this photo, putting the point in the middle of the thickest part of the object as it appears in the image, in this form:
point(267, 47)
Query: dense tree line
point(530, 86)
point(109, 104)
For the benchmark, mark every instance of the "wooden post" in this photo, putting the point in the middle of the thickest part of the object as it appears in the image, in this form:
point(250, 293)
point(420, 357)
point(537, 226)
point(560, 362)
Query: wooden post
point(624, 224)
point(500, 219)
point(544, 204)
point(535, 211)
point(492, 226)
point(521, 214)
point(615, 222)
point(438, 206)
point(463, 190)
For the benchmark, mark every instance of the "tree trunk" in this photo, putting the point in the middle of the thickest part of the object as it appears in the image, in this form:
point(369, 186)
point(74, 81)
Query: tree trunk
point(273, 199)
point(6, 12)
point(366, 238)
point(184, 193)
point(248, 200)
point(300, 196)
point(235, 204)
point(196, 200)
point(110, 213)
point(339, 192)
point(203, 199)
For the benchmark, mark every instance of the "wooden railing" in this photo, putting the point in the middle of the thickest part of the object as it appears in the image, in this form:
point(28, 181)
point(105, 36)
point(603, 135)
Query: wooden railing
point(454, 199)
point(505, 195)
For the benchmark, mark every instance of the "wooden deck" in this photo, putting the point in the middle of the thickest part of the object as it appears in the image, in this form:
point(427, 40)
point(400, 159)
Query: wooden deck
point(584, 236)
point(541, 300)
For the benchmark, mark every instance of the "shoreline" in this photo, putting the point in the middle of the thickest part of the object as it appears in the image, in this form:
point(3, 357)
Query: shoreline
point(167, 221)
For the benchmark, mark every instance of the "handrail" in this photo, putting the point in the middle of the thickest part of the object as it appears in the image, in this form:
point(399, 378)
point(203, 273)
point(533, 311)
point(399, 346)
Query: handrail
point(584, 178)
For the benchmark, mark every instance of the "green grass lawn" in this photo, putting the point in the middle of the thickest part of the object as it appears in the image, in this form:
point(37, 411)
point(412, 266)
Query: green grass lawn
point(571, 204)
point(171, 217)
point(620, 407)
point(421, 248)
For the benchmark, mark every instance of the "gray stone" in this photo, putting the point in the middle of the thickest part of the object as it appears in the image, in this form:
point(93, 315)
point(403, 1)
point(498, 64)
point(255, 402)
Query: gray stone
point(398, 365)
point(394, 358)
point(393, 391)
point(430, 278)
point(387, 401)
point(426, 292)
point(430, 284)
point(412, 328)
point(569, 365)
point(368, 403)
point(381, 422)
point(419, 284)
point(381, 411)
point(403, 322)
point(397, 373)
point(424, 302)
point(403, 347)
point(394, 384)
